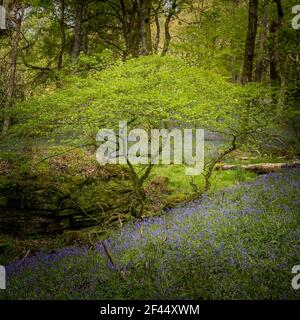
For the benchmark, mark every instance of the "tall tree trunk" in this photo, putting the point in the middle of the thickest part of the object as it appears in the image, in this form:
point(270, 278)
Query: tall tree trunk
point(145, 27)
point(77, 31)
point(130, 26)
point(250, 41)
point(85, 42)
point(167, 28)
point(62, 34)
point(275, 69)
point(157, 37)
point(13, 67)
point(85, 31)
point(262, 45)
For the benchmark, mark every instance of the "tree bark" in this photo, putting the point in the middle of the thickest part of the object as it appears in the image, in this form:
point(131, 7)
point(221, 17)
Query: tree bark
point(275, 69)
point(167, 28)
point(262, 45)
point(250, 41)
point(260, 167)
point(77, 31)
point(13, 68)
point(62, 34)
point(130, 28)
point(85, 42)
point(145, 27)
point(157, 37)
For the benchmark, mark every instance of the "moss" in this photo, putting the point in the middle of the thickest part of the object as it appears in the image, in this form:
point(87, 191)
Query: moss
point(71, 236)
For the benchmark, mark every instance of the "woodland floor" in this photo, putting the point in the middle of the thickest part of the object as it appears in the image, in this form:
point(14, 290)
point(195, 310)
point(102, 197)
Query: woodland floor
point(238, 243)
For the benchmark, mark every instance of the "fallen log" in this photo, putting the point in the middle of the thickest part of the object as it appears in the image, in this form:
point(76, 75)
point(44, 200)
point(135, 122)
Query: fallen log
point(259, 167)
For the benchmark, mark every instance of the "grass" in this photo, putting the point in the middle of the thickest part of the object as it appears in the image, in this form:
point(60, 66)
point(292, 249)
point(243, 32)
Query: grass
point(180, 183)
point(242, 158)
point(239, 243)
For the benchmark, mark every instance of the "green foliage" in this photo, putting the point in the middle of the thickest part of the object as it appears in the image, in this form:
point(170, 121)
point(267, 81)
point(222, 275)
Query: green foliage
point(151, 90)
point(215, 41)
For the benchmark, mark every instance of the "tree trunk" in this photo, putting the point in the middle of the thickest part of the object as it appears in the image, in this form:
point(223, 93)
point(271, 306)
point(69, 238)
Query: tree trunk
point(130, 28)
point(275, 69)
point(167, 35)
point(250, 41)
point(157, 37)
point(274, 54)
point(167, 28)
point(85, 42)
point(13, 68)
point(145, 27)
point(262, 45)
point(260, 167)
point(62, 34)
point(77, 31)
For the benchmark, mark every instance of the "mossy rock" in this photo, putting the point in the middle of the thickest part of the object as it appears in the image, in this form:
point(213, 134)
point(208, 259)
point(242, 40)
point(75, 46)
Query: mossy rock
point(70, 237)
point(175, 199)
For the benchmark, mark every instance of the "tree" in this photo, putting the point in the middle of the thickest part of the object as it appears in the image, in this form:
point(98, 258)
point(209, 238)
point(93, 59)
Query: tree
point(250, 41)
point(170, 13)
point(62, 34)
point(145, 7)
point(212, 36)
point(79, 5)
point(275, 69)
point(149, 93)
point(262, 45)
point(16, 15)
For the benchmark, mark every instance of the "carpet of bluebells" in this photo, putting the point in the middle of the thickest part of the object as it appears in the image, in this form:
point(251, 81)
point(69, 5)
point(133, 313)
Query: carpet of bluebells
point(240, 243)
